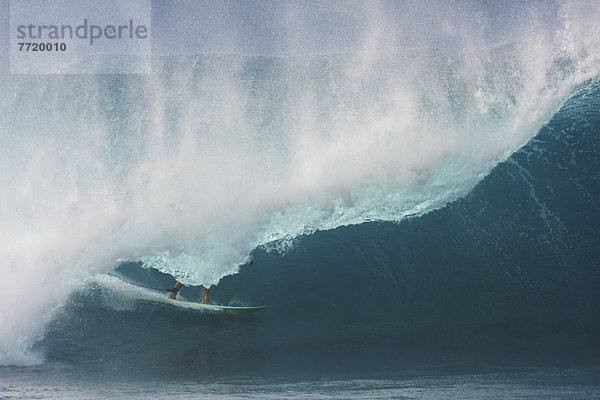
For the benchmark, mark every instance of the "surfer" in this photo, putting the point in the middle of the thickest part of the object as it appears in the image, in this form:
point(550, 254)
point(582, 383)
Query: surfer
point(178, 285)
point(205, 296)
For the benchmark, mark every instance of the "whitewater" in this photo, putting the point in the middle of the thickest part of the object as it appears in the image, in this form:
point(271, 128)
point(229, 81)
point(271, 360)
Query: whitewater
point(228, 150)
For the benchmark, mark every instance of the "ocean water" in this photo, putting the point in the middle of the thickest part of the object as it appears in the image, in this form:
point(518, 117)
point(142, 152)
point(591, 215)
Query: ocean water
point(422, 215)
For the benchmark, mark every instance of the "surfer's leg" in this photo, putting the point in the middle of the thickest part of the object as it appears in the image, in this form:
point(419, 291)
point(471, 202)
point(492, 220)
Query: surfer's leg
point(205, 298)
point(176, 288)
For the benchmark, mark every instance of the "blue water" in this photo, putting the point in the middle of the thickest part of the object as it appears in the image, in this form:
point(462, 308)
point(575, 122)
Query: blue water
point(418, 189)
point(579, 383)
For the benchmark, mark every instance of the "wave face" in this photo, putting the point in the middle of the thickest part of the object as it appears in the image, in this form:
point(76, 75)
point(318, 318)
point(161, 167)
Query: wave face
point(507, 276)
point(191, 169)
